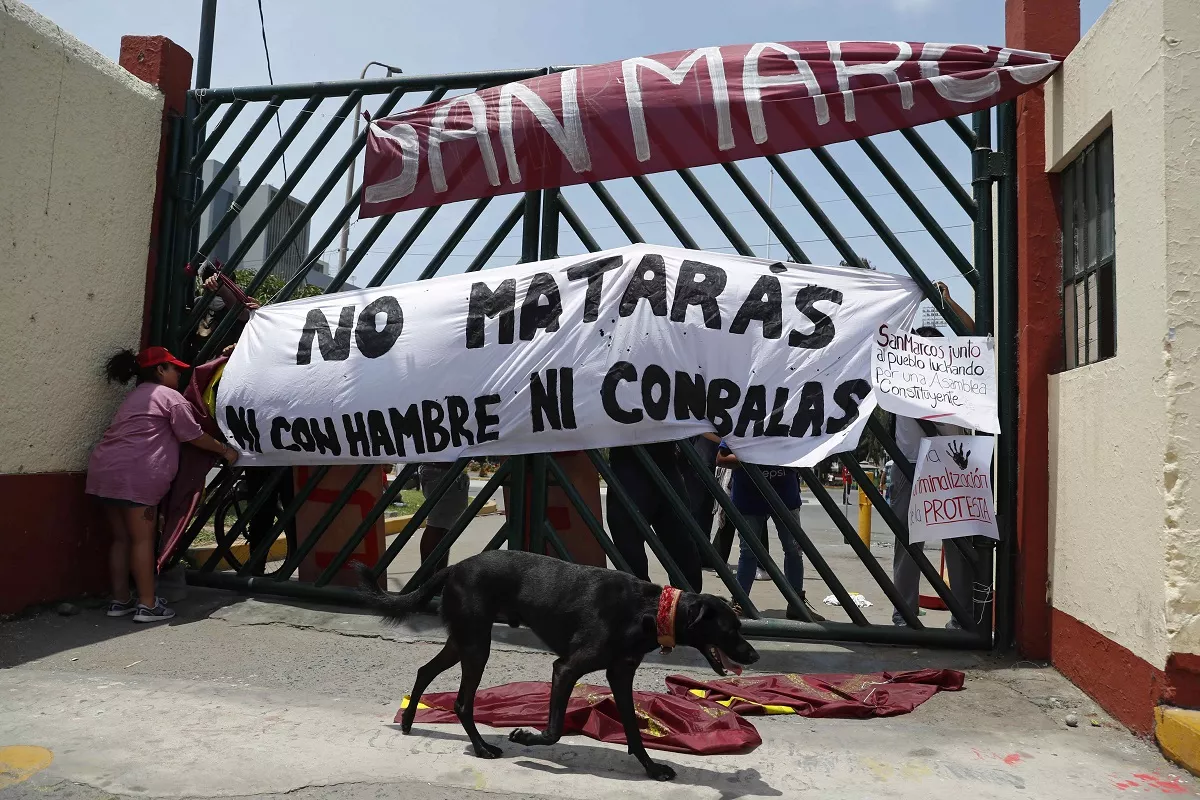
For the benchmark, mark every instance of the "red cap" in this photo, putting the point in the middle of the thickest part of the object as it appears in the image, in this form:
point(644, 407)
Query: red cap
point(154, 356)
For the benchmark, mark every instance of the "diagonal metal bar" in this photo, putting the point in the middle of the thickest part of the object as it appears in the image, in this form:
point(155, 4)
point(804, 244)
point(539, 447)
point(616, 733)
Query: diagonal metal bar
point(963, 131)
point(418, 518)
point(960, 261)
point(429, 565)
point(581, 230)
point(938, 167)
point(814, 210)
point(251, 186)
point(551, 535)
point(207, 109)
point(260, 224)
point(861, 548)
point(497, 238)
point(563, 481)
point(235, 157)
point(885, 233)
point(777, 227)
point(627, 227)
point(785, 520)
point(401, 249)
point(500, 537)
point(360, 251)
point(747, 535)
point(714, 211)
point(310, 541)
point(900, 529)
point(617, 490)
point(213, 139)
point(705, 547)
point(665, 212)
point(258, 556)
point(386, 497)
point(456, 236)
point(215, 494)
point(222, 550)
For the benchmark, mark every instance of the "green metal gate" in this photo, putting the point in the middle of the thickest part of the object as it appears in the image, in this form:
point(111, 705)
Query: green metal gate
point(318, 112)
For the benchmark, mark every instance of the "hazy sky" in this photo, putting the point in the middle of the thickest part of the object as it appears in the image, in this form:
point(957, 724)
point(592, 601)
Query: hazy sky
point(313, 40)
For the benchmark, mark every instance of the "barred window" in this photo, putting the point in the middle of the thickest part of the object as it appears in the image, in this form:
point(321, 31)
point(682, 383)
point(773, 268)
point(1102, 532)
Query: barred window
point(1089, 256)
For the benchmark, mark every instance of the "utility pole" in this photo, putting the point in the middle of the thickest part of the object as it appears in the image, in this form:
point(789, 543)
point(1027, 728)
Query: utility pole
point(208, 26)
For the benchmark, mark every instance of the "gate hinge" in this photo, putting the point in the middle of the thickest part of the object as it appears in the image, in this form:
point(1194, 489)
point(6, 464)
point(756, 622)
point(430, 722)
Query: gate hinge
point(990, 165)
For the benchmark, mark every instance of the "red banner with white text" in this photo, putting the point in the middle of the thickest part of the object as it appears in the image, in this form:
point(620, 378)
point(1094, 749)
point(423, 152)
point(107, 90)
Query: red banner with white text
point(685, 109)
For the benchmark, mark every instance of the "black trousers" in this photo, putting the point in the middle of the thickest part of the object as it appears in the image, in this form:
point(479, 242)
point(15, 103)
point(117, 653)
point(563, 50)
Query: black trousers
point(657, 511)
point(261, 523)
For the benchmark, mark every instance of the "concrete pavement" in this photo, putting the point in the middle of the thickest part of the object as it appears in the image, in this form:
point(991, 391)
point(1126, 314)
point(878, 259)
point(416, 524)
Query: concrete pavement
point(241, 697)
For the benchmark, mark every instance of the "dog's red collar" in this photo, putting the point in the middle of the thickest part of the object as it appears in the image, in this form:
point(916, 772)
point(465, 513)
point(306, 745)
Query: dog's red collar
point(665, 620)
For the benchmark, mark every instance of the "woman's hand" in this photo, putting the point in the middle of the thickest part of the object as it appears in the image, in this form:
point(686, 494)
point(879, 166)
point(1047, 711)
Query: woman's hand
point(231, 456)
point(228, 351)
point(211, 282)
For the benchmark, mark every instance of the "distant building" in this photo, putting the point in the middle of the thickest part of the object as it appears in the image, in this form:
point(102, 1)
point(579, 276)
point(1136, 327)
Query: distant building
point(285, 215)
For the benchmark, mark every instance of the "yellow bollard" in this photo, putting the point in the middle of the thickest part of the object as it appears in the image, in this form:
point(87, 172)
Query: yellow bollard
point(864, 517)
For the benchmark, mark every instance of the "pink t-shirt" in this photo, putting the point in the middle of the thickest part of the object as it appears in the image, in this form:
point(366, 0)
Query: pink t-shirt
point(138, 456)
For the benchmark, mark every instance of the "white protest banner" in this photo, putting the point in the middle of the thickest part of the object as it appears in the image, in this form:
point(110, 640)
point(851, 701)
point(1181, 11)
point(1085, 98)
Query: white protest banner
point(952, 489)
point(944, 379)
point(635, 345)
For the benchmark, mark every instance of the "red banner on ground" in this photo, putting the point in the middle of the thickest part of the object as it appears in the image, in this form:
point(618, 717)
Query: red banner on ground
point(880, 694)
point(675, 110)
point(676, 724)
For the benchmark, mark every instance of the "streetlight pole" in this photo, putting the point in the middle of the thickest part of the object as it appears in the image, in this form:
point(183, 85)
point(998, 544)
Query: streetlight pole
point(344, 248)
point(208, 26)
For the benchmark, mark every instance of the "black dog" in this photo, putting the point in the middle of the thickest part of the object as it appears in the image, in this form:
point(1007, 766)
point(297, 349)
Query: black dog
point(592, 618)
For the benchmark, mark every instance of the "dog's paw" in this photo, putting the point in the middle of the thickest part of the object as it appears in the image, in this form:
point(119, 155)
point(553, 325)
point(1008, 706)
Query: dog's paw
point(406, 728)
point(660, 772)
point(488, 751)
point(525, 736)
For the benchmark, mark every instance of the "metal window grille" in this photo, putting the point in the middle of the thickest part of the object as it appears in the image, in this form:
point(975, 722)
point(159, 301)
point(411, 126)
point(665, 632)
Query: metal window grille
point(1089, 256)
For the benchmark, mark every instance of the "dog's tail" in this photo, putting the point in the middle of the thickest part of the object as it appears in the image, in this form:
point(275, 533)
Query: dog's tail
point(392, 607)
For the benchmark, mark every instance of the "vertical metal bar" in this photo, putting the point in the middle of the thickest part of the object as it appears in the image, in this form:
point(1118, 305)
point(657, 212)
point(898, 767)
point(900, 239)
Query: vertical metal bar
point(981, 185)
point(166, 238)
point(204, 53)
point(537, 503)
point(529, 230)
point(1006, 341)
point(549, 232)
point(518, 512)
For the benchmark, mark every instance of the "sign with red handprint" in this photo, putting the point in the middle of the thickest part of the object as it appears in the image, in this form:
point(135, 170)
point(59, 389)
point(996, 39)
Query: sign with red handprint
point(952, 489)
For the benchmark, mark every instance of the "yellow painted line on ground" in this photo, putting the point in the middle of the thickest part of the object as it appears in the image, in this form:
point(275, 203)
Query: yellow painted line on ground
point(1178, 733)
point(21, 762)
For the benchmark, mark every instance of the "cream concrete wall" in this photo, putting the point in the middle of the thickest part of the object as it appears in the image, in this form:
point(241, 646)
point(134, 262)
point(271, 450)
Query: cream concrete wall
point(1125, 542)
point(79, 140)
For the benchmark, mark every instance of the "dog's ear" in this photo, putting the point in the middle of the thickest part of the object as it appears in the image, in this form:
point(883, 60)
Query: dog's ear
point(699, 611)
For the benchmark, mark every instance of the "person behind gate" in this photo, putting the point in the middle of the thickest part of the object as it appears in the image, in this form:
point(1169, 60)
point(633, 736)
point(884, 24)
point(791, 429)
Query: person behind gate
point(754, 507)
point(908, 434)
point(131, 469)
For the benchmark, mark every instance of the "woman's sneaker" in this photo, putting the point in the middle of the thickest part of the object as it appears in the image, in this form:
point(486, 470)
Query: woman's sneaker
point(116, 609)
point(159, 613)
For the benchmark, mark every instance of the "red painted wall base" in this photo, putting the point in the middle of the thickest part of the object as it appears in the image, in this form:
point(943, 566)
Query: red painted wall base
point(1124, 685)
point(53, 540)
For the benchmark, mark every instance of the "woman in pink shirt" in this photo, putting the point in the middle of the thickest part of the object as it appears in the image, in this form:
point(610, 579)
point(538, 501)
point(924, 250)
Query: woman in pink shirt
point(132, 467)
